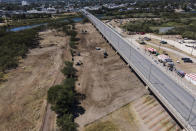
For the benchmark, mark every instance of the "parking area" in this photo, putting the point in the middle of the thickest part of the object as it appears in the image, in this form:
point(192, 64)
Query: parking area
point(181, 67)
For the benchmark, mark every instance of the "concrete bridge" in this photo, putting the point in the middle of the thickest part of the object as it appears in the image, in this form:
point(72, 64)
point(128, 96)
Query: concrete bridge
point(180, 103)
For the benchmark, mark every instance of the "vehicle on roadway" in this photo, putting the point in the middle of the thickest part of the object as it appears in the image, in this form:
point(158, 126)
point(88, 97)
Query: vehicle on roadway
point(163, 42)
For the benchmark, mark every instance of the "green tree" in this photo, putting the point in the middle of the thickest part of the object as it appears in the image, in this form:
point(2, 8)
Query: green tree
point(69, 82)
point(66, 123)
point(53, 93)
point(65, 102)
point(69, 70)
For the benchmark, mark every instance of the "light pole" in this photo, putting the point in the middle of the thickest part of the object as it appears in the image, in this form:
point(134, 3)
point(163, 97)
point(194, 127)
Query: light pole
point(159, 47)
point(150, 72)
point(130, 52)
point(192, 49)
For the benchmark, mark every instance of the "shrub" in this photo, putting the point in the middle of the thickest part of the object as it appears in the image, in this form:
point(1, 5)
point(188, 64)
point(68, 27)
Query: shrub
point(53, 93)
point(138, 27)
point(69, 71)
point(72, 44)
point(66, 123)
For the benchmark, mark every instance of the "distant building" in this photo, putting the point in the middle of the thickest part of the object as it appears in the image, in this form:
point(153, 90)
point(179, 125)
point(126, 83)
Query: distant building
point(92, 7)
point(51, 10)
point(24, 3)
point(33, 11)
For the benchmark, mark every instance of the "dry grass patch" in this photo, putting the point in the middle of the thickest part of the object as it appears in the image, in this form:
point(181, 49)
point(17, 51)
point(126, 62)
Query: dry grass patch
point(102, 126)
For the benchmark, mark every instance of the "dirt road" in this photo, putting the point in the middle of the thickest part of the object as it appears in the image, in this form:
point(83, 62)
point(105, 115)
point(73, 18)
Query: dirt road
point(108, 83)
point(23, 96)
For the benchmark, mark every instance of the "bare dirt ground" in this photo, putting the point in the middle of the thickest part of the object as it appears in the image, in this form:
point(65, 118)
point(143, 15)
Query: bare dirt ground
point(107, 83)
point(23, 95)
point(112, 90)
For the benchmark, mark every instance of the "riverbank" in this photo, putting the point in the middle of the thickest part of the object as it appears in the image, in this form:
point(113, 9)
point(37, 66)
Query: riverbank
point(23, 95)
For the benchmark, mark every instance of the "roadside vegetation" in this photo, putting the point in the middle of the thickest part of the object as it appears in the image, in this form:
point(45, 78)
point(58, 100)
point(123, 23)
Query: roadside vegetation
point(143, 14)
point(138, 27)
point(144, 9)
point(182, 25)
point(187, 30)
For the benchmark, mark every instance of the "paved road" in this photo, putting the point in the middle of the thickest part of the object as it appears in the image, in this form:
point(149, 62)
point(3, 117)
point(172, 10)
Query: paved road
point(177, 99)
point(176, 44)
point(119, 30)
point(173, 51)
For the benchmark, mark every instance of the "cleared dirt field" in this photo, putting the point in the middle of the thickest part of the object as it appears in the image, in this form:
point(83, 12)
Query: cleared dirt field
point(107, 83)
point(23, 95)
point(112, 90)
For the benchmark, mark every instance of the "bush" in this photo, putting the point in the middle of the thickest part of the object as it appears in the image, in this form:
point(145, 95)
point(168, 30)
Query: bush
point(53, 93)
point(72, 44)
point(69, 71)
point(66, 123)
point(189, 34)
point(64, 100)
point(138, 27)
point(69, 82)
point(74, 38)
point(72, 52)
point(72, 33)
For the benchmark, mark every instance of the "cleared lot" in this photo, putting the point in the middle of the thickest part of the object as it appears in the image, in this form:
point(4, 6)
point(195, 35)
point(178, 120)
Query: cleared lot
point(108, 84)
point(23, 96)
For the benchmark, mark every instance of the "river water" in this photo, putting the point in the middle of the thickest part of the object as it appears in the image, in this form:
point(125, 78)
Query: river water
point(20, 28)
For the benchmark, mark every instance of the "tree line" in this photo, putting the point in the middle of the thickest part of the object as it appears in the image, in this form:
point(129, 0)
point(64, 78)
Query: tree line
point(184, 27)
point(63, 98)
point(15, 45)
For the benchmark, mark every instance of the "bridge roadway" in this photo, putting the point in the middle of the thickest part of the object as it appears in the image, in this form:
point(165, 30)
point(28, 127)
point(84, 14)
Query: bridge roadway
point(176, 99)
